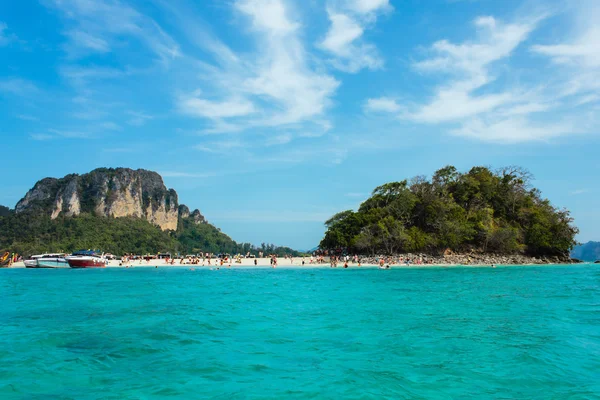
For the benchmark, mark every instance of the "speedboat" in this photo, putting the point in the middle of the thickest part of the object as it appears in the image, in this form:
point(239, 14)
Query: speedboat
point(86, 259)
point(50, 260)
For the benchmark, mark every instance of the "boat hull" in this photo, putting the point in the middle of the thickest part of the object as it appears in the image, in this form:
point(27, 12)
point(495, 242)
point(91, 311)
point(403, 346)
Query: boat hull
point(53, 264)
point(86, 262)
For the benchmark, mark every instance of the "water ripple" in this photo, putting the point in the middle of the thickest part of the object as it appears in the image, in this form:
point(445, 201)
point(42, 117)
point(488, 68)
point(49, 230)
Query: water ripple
point(468, 333)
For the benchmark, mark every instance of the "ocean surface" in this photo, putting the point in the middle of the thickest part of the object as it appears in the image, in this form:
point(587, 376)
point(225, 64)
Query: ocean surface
point(172, 333)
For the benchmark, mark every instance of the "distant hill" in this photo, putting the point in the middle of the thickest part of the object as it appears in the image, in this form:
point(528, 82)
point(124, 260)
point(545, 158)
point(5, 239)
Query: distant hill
point(117, 210)
point(589, 251)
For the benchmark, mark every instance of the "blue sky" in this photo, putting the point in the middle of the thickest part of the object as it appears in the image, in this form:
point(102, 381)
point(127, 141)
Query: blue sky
point(271, 115)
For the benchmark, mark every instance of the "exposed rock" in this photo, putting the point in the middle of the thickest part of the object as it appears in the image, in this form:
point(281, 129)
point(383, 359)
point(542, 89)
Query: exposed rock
point(184, 211)
point(198, 217)
point(597, 262)
point(466, 259)
point(119, 192)
point(39, 197)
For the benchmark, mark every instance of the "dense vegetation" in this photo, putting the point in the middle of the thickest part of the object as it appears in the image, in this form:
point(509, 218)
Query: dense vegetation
point(589, 251)
point(33, 233)
point(482, 210)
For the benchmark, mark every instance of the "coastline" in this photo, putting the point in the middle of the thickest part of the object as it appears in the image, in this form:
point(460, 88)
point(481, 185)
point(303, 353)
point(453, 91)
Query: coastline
point(296, 263)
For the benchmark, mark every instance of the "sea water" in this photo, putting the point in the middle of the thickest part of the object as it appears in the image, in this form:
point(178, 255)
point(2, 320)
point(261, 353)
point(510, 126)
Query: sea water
point(429, 333)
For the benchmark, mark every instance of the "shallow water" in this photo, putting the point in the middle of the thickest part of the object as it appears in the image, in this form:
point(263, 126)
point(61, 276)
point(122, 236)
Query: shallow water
point(434, 333)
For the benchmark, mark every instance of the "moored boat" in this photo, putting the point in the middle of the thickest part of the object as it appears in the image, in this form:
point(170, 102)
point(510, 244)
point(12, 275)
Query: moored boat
point(86, 259)
point(50, 260)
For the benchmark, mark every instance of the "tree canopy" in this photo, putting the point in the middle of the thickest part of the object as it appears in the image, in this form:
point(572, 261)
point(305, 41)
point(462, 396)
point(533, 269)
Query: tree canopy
point(33, 233)
point(485, 210)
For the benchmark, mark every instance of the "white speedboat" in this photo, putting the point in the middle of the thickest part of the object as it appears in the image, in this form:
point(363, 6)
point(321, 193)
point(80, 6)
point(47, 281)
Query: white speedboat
point(50, 260)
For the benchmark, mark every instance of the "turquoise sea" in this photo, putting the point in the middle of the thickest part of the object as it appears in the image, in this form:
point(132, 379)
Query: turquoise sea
point(430, 333)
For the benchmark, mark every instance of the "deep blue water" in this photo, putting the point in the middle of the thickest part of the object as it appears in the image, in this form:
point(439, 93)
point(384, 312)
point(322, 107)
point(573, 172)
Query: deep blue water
point(436, 333)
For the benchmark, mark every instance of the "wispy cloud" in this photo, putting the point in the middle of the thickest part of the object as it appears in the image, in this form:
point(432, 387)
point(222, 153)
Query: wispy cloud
point(382, 104)
point(98, 25)
point(578, 192)
point(469, 64)
point(349, 19)
point(275, 86)
point(5, 38)
point(278, 140)
point(19, 87)
point(233, 107)
point(41, 136)
point(476, 102)
point(138, 118)
point(70, 134)
point(578, 58)
point(26, 117)
point(220, 147)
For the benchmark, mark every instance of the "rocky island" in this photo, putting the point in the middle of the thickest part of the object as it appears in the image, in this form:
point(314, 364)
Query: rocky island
point(118, 210)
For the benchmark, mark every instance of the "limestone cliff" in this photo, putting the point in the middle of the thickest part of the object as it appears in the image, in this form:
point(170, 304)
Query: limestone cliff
point(106, 192)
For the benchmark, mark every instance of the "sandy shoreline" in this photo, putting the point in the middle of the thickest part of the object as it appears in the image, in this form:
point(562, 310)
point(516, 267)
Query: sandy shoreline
point(296, 263)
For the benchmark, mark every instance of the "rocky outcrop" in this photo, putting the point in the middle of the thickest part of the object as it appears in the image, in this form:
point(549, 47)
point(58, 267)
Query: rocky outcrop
point(106, 192)
point(197, 217)
point(184, 211)
point(450, 258)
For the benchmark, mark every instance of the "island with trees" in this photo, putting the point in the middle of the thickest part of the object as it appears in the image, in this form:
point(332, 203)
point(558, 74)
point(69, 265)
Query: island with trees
point(480, 212)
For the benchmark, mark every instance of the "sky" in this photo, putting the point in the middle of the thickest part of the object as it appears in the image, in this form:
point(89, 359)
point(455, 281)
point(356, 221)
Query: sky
point(272, 115)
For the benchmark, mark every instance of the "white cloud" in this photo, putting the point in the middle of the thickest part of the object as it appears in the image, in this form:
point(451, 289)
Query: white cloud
point(349, 19)
point(383, 105)
point(110, 126)
point(512, 130)
point(273, 87)
point(100, 24)
point(476, 99)
point(269, 16)
point(368, 6)
point(579, 191)
point(278, 140)
point(234, 107)
point(469, 63)
point(41, 136)
point(4, 38)
point(344, 30)
point(583, 51)
point(84, 40)
point(70, 134)
point(19, 87)
point(138, 118)
point(81, 75)
point(220, 147)
point(577, 59)
point(26, 117)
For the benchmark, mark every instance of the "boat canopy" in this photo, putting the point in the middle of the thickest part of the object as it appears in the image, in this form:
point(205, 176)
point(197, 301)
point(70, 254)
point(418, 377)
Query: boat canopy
point(87, 253)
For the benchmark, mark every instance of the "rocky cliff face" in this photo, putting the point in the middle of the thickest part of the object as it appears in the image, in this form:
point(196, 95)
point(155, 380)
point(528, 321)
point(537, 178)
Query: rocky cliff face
point(119, 192)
